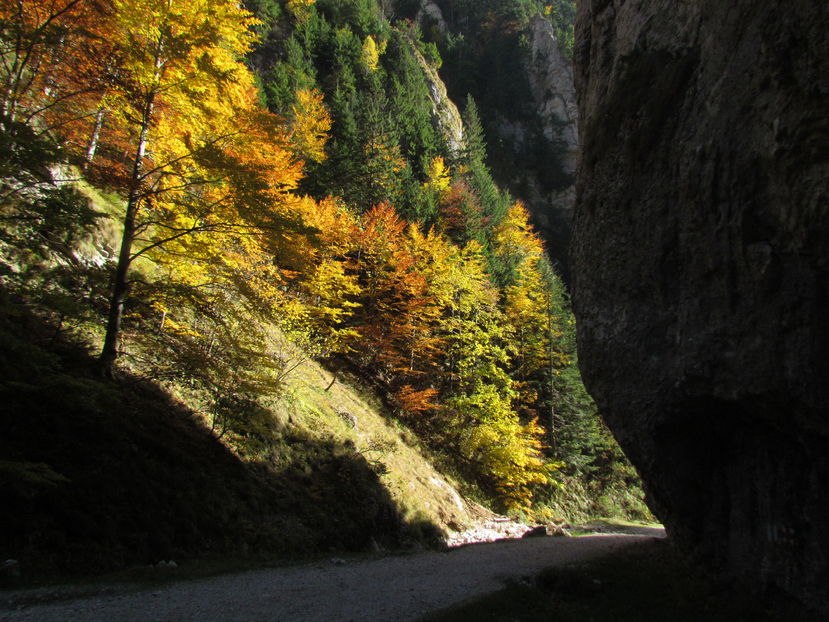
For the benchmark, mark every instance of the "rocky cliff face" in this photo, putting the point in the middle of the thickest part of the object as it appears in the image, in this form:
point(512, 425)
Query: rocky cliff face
point(445, 114)
point(554, 96)
point(539, 138)
point(523, 87)
point(701, 261)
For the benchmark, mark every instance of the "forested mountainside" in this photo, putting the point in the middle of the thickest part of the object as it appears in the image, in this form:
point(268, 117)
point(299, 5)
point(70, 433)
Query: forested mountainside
point(515, 60)
point(199, 204)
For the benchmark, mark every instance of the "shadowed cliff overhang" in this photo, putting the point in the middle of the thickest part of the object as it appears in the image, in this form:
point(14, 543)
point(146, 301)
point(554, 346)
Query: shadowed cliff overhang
point(701, 270)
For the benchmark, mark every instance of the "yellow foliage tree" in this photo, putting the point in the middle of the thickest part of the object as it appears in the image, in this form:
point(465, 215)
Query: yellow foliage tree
point(509, 454)
point(310, 124)
point(438, 178)
point(525, 302)
point(371, 54)
point(329, 286)
point(203, 159)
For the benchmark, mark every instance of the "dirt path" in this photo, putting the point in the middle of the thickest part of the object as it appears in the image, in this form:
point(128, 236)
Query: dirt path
point(391, 588)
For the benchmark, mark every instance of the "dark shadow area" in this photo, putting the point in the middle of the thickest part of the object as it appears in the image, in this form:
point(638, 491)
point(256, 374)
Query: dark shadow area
point(747, 507)
point(97, 475)
point(645, 582)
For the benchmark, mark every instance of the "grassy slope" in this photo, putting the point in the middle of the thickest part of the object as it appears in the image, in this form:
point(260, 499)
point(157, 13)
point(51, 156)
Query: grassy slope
point(99, 475)
point(419, 491)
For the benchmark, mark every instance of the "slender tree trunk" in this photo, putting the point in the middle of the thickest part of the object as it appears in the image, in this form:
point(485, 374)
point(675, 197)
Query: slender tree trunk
point(9, 103)
point(92, 147)
point(12, 75)
point(120, 285)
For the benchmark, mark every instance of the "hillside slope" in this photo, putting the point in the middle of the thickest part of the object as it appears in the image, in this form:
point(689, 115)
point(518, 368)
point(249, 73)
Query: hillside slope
point(97, 475)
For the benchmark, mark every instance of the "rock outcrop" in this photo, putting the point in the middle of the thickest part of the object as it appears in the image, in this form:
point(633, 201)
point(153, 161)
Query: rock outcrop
point(701, 266)
point(554, 94)
point(445, 114)
point(430, 13)
point(551, 189)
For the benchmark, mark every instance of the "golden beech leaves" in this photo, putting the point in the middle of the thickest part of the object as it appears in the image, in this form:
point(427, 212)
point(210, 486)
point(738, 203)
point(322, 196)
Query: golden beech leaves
point(439, 179)
point(431, 319)
point(526, 301)
point(381, 233)
point(56, 57)
point(416, 401)
point(336, 227)
point(310, 124)
point(514, 235)
point(432, 322)
point(511, 453)
point(206, 170)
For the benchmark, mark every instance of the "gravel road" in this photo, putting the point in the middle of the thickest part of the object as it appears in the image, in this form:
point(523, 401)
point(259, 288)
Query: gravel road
point(392, 588)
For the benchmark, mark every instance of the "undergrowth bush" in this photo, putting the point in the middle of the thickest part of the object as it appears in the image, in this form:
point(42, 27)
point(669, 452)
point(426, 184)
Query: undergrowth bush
point(575, 501)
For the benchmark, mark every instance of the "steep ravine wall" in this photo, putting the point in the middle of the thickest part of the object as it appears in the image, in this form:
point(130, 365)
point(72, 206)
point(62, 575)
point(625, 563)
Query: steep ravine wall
point(701, 270)
point(550, 188)
point(540, 137)
point(531, 127)
point(445, 114)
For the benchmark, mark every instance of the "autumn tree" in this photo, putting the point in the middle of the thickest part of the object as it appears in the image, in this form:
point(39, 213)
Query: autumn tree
point(49, 82)
point(48, 85)
point(384, 266)
point(478, 407)
point(434, 190)
point(518, 254)
point(461, 214)
point(310, 124)
point(183, 100)
point(371, 54)
point(327, 286)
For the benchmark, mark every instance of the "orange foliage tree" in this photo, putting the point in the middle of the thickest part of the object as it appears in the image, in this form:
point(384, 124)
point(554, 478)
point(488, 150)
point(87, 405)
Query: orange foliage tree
point(54, 60)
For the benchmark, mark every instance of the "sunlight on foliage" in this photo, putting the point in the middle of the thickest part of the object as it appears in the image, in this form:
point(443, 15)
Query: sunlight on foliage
point(237, 243)
point(310, 124)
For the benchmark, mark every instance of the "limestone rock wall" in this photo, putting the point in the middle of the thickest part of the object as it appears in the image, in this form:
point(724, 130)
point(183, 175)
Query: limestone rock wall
point(540, 138)
point(445, 114)
point(554, 98)
point(527, 104)
point(554, 94)
point(701, 269)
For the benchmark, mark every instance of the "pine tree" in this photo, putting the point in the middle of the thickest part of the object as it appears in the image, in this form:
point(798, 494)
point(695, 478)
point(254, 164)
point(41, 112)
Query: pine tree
point(474, 158)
